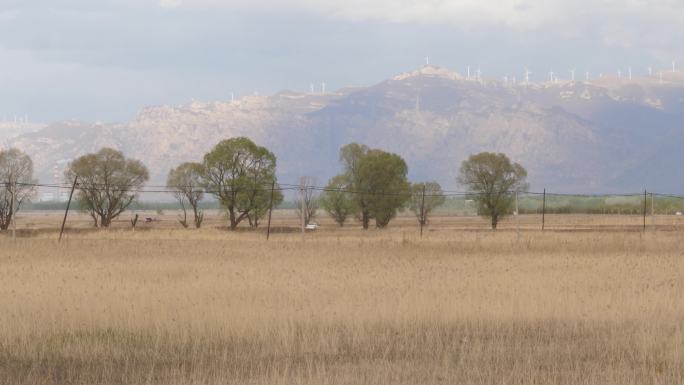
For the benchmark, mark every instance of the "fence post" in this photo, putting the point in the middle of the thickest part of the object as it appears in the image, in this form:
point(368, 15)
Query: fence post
point(544, 210)
point(422, 212)
point(66, 212)
point(645, 199)
point(270, 210)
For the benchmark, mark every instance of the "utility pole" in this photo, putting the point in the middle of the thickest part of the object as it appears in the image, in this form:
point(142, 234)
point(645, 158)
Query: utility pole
point(13, 214)
point(517, 214)
point(66, 212)
point(653, 219)
point(301, 192)
point(544, 210)
point(422, 212)
point(645, 198)
point(270, 210)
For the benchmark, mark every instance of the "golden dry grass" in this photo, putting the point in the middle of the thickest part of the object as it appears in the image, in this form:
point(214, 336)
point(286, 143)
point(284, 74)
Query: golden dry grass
point(170, 306)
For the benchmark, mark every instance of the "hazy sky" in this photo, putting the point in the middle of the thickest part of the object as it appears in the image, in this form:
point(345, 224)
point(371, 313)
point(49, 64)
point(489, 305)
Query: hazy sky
point(105, 59)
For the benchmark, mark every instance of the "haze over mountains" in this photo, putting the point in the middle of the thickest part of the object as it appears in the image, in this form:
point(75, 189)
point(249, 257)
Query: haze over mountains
point(605, 135)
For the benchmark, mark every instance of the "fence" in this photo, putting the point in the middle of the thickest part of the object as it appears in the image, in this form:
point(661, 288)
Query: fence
point(529, 210)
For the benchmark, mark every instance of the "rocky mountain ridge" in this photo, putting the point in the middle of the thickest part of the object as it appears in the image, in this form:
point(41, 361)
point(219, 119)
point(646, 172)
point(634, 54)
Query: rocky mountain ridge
point(606, 135)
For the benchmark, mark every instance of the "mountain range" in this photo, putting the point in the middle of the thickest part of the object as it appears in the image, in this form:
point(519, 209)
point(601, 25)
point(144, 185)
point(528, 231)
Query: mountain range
point(605, 135)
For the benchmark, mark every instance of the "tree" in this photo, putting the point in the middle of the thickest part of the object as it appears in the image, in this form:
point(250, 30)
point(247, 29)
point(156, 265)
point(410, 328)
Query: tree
point(382, 185)
point(492, 179)
point(425, 197)
point(16, 184)
point(351, 156)
point(378, 182)
point(108, 183)
point(309, 199)
point(239, 173)
point(261, 204)
point(337, 202)
point(186, 182)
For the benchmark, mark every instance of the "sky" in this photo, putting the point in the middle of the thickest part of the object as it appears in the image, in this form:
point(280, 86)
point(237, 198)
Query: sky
point(103, 60)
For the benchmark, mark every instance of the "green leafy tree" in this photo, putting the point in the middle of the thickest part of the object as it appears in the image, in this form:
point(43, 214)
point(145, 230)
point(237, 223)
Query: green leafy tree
point(239, 173)
point(351, 156)
point(378, 182)
point(425, 197)
point(337, 201)
point(261, 202)
point(108, 183)
point(492, 179)
point(16, 184)
point(382, 185)
point(186, 183)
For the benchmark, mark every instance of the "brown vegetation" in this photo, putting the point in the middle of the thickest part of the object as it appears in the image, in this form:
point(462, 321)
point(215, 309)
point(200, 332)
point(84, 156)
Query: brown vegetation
point(174, 306)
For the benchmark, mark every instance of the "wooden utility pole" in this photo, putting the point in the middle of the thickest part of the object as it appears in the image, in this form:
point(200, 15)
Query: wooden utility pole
point(544, 210)
point(270, 210)
point(653, 219)
point(66, 212)
point(517, 215)
point(422, 212)
point(13, 213)
point(301, 192)
point(645, 198)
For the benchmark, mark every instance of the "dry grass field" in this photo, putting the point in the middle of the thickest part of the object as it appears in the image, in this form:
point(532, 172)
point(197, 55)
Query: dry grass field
point(163, 305)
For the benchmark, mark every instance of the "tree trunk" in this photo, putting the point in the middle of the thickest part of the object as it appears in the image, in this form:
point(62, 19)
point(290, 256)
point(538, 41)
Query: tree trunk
point(233, 220)
point(495, 221)
point(199, 216)
point(365, 218)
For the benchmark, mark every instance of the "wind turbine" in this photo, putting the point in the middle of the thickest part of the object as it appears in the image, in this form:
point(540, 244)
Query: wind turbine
point(427, 60)
point(479, 74)
point(661, 77)
point(629, 69)
point(468, 73)
point(527, 76)
point(620, 74)
point(674, 66)
point(572, 74)
point(312, 88)
point(650, 71)
point(322, 88)
point(551, 76)
point(586, 76)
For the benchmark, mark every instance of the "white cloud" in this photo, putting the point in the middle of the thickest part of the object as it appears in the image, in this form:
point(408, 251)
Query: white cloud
point(618, 23)
point(515, 13)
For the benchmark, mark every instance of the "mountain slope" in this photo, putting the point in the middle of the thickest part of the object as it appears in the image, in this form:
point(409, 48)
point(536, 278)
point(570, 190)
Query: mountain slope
point(607, 135)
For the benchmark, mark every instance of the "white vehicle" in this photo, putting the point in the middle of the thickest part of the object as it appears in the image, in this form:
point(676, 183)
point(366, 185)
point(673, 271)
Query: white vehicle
point(312, 226)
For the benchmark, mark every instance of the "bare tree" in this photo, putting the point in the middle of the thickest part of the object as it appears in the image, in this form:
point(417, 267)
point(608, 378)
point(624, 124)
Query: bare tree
point(308, 201)
point(107, 183)
point(186, 182)
point(16, 184)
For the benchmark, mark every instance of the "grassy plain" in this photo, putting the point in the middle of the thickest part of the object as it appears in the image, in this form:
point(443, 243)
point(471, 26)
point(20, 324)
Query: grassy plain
point(163, 305)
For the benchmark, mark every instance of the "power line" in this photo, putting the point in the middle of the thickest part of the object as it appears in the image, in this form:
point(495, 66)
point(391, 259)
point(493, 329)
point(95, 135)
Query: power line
point(158, 189)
